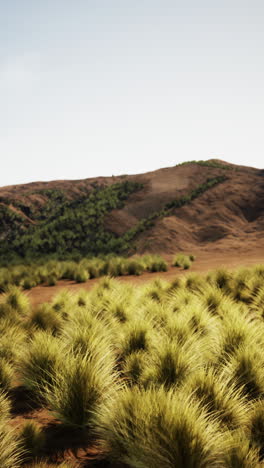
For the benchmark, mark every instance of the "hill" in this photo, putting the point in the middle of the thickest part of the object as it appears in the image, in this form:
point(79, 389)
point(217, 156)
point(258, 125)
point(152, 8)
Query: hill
point(200, 205)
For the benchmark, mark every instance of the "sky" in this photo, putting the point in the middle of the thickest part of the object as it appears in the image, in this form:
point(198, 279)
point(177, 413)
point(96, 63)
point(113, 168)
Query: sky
point(108, 87)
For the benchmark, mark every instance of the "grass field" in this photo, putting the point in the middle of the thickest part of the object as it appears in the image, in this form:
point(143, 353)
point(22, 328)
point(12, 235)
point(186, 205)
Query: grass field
point(48, 272)
point(168, 374)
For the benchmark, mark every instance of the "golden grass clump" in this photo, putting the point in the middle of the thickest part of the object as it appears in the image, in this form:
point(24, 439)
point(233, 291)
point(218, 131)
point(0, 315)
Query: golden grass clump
point(38, 362)
point(183, 261)
point(44, 317)
point(219, 398)
point(157, 428)
point(82, 384)
point(12, 339)
point(10, 451)
point(16, 300)
point(170, 365)
point(136, 336)
point(245, 370)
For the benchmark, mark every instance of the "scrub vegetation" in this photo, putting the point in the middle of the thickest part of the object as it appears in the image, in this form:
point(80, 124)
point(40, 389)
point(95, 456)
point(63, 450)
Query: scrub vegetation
point(184, 261)
point(162, 375)
point(48, 273)
point(72, 229)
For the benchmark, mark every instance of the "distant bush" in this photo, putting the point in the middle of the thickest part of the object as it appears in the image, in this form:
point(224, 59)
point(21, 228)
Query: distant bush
point(154, 263)
point(52, 279)
point(50, 272)
point(81, 276)
point(183, 261)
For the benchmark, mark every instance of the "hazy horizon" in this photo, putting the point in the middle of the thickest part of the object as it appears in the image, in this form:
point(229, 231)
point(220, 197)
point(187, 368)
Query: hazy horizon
point(108, 87)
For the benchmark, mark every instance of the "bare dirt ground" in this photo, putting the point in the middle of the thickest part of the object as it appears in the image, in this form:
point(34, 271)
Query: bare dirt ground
point(205, 261)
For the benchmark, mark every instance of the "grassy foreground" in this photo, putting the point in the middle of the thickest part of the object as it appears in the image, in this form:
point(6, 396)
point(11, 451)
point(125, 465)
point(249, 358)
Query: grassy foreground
point(165, 375)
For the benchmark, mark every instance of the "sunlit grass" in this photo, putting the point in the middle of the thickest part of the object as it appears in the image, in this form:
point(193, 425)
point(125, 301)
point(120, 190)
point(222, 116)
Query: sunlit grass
point(165, 374)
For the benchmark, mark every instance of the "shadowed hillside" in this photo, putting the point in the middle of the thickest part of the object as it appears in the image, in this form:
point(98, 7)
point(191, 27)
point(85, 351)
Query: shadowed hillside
point(196, 205)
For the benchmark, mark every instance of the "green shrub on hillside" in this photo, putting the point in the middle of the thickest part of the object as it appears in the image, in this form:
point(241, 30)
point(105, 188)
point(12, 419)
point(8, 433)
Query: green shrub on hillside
point(70, 230)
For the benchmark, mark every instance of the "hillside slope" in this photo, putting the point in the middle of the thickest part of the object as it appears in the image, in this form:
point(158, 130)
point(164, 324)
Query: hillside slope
point(196, 205)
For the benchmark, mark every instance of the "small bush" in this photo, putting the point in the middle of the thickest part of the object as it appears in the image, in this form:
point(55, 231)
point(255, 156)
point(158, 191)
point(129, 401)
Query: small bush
point(52, 279)
point(29, 283)
point(135, 267)
point(81, 276)
point(186, 264)
point(183, 261)
point(154, 263)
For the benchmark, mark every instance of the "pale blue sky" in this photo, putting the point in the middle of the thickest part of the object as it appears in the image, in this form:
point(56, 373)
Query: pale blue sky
point(108, 87)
